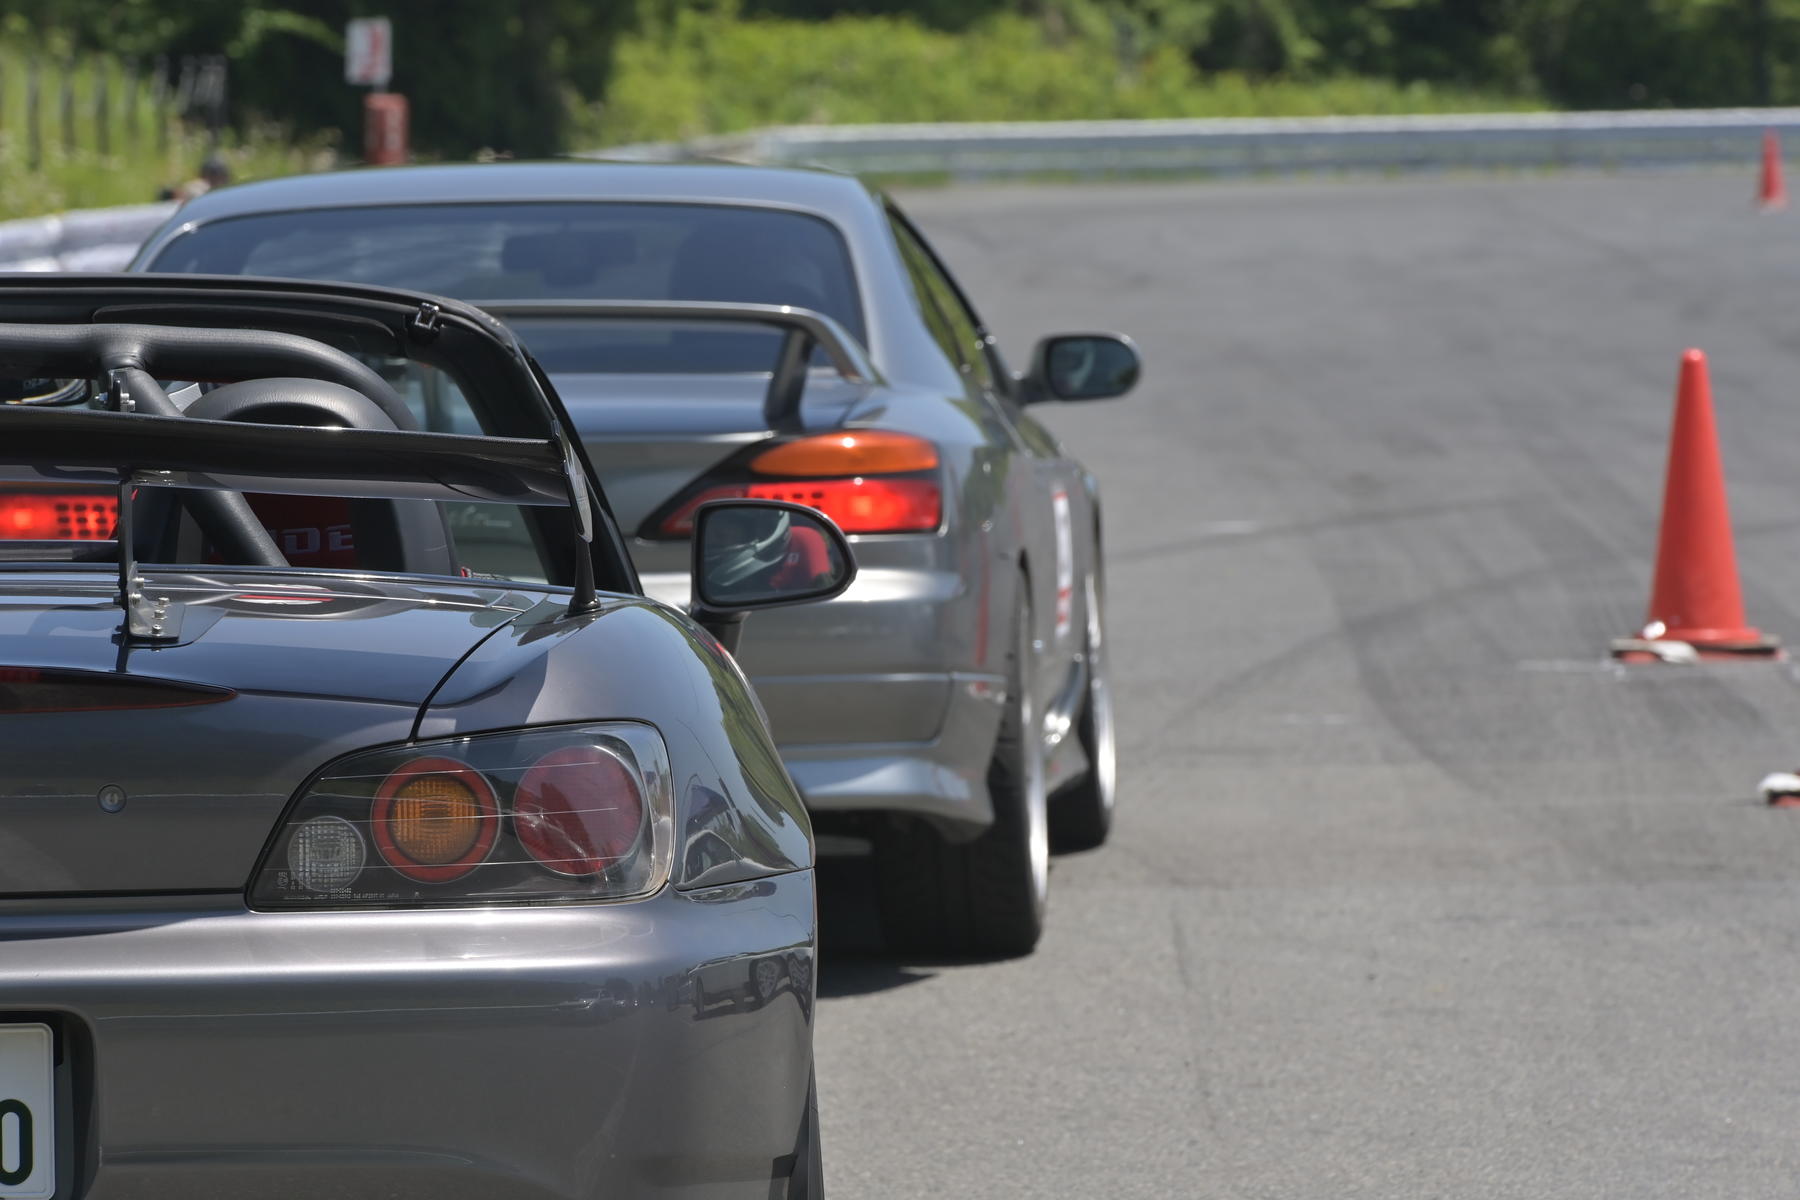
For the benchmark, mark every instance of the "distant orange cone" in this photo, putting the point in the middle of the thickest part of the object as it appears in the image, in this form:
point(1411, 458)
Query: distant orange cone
point(1695, 603)
point(1772, 192)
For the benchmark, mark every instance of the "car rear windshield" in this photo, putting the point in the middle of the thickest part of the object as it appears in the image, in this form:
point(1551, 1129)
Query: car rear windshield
point(561, 251)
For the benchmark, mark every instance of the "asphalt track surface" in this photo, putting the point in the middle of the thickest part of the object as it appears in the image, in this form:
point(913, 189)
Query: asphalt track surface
point(1412, 893)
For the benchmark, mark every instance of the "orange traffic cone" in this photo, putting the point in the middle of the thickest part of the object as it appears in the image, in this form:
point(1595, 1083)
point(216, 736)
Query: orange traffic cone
point(1772, 193)
point(1696, 609)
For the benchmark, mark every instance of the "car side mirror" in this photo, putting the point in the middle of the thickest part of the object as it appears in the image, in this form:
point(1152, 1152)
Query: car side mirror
point(1083, 366)
point(755, 554)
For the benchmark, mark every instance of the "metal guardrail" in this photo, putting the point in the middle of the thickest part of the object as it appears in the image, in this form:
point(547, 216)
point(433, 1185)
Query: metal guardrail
point(1238, 146)
point(105, 239)
point(99, 239)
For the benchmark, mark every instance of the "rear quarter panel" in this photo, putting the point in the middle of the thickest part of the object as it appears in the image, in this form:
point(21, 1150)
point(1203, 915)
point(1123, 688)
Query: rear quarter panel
point(737, 814)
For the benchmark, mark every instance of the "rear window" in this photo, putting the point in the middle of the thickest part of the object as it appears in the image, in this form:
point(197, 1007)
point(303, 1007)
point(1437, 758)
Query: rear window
point(560, 251)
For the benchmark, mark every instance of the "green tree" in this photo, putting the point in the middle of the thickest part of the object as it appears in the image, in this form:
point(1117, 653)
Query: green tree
point(477, 74)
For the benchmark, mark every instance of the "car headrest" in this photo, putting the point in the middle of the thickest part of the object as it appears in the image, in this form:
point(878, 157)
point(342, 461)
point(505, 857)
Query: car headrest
point(283, 401)
point(327, 531)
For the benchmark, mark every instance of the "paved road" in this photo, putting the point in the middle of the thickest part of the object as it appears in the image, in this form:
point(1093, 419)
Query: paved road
point(1412, 895)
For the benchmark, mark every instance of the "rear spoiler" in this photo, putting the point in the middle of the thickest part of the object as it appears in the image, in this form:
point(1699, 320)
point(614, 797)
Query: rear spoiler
point(82, 446)
point(804, 328)
point(134, 450)
point(150, 444)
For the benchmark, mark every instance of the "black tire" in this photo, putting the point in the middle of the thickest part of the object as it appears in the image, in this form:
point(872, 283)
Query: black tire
point(1081, 813)
point(807, 1179)
point(983, 897)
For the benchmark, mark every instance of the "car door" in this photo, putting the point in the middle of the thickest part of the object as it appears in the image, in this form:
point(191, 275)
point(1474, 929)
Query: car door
point(1054, 509)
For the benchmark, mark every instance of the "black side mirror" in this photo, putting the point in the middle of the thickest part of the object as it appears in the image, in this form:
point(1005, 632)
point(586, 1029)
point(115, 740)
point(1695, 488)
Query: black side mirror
point(1083, 366)
point(753, 554)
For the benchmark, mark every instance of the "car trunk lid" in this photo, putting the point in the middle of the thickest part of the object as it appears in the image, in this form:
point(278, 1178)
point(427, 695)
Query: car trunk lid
point(164, 769)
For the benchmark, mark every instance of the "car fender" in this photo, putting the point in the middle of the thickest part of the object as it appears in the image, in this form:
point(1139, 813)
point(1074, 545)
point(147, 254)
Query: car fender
point(738, 815)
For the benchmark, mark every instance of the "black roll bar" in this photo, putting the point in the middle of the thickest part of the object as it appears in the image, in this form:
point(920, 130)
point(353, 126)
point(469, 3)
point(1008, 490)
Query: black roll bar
point(180, 352)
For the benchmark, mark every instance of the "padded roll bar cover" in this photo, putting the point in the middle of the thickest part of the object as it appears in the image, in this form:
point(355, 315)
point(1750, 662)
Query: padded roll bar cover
point(291, 401)
point(420, 534)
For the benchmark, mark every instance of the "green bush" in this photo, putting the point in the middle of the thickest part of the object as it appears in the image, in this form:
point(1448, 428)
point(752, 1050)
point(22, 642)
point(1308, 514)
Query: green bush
point(698, 73)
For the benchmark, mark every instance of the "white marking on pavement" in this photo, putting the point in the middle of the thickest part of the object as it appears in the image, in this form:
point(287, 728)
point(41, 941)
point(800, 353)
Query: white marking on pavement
point(1574, 666)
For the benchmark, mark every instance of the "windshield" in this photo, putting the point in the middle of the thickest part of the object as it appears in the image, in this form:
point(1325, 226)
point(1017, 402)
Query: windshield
point(561, 251)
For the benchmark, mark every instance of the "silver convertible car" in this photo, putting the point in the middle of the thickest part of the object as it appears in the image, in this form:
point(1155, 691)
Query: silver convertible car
point(364, 830)
point(722, 331)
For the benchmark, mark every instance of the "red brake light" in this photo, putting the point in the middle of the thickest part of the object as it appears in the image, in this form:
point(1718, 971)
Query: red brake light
point(37, 690)
point(57, 516)
point(578, 810)
point(865, 505)
point(866, 480)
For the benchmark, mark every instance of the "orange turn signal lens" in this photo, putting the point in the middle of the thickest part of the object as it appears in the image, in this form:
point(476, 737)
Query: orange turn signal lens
point(435, 819)
point(856, 452)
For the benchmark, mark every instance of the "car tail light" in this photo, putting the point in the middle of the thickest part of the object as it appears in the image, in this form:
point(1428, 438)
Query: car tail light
point(327, 854)
point(49, 690)
point(577, 810)
point(57, 516)
point(867, 481)
point(580, 812)
point(861, 452)
point(434, 819)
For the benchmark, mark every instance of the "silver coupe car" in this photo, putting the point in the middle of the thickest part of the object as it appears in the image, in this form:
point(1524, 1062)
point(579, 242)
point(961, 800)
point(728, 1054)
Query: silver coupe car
point(364, 830)
point(725, 331)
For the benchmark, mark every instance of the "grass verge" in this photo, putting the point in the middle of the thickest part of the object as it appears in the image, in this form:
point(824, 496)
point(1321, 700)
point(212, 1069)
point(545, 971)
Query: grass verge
point(99, 134)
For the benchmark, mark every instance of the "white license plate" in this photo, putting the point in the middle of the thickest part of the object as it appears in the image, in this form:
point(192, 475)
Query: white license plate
point(27, 1134)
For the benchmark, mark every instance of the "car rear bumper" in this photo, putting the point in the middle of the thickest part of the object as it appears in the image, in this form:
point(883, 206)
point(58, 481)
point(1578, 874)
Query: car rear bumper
point(657, 1048)
point(873, 697)
point(941, 776)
